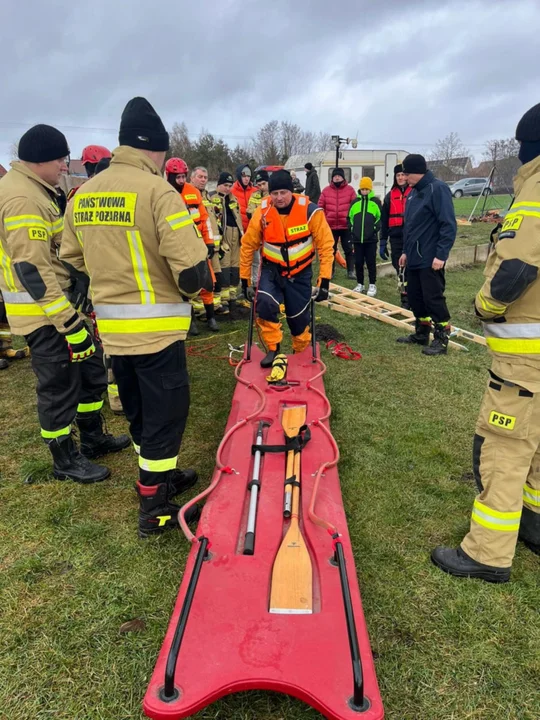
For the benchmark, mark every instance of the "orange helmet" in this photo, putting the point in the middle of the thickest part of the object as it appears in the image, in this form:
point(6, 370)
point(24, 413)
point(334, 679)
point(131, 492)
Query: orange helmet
point(176, 166)
point(94, 153)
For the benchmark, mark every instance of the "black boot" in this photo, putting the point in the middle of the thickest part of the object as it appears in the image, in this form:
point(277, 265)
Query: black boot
point(439, 345)
point(95, 442)
point(181, 480)
point(4, 364)
point(156, 512)
point(456, 562)
point(350, 267)
point(404, 299)
point(269, 358)
point(210, 318)
point(193, 328)
point(69, 464)
point(419, 337)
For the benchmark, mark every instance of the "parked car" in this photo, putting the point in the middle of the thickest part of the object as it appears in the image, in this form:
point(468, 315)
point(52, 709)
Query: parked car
point(470, 186)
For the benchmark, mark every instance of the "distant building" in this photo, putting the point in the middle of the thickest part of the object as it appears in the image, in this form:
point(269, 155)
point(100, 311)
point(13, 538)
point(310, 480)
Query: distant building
point(75, 177)
point(452, 169)
point(3, 171)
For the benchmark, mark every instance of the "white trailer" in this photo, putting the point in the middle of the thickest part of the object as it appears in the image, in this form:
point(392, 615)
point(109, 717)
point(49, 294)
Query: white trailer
point(376, 164)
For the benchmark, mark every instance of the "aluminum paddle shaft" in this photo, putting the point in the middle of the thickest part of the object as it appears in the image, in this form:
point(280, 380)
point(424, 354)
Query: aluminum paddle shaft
point(253, 487)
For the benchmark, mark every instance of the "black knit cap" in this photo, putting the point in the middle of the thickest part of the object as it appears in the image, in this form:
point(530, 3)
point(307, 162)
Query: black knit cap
point(280, 180)
point(338, 171)
point(261, 175)
point(225, 177)
point(398, 169)
point(308, 166)
point(415, 164)
point(42, 143)
point(528, 129)
point(141, 127)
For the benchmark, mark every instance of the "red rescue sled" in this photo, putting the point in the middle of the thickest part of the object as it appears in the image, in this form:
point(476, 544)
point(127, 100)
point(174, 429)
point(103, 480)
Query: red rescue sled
point(222, 638)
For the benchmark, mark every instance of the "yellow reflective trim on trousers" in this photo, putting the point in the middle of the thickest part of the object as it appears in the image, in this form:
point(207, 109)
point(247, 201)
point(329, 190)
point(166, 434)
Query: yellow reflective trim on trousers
point(51, 434)
point(531, 496)
point(17, 310)
point(495, 519)
point(55, 307)
point(157, 465)
point(514, 346)
point(5, 262)
point(489, 307)
point(137, 448)
point(147, 325)
point(112, 390)
point(89, 407)
point(140, 267)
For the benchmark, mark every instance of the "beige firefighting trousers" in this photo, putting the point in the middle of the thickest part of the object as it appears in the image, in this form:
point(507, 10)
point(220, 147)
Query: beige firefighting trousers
point(506, 461)
point(230, 263)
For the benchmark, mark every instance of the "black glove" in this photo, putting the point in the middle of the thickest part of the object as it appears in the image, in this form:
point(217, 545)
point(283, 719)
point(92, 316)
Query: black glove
point(248, 290)
point(211, 251)
point(323, 291)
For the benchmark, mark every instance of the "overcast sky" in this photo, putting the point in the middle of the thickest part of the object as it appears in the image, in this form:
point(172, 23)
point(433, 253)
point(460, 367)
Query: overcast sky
point(400, 74)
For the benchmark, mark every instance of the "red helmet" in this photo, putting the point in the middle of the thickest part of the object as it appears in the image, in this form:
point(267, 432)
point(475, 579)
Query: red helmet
point(176, 166)
point(94, 153)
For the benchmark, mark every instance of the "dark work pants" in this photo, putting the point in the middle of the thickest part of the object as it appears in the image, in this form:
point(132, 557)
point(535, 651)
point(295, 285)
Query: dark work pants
point(294, 293)
point(396, 251)
point(346, 241)
point(62, 385)
point(154, 390)
point(366, 253)
point(426, 294)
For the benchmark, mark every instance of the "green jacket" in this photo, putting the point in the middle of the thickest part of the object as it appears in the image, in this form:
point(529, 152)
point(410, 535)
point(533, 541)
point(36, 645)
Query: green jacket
point(365, 218)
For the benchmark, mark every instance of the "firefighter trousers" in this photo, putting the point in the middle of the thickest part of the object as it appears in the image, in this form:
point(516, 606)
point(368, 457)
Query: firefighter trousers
point(295, 293)
point(154, 390)
point(64, 389)
point(506, 462)
point(230, 263)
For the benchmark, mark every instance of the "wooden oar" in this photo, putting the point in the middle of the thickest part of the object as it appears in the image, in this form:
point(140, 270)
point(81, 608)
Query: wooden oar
point(292, 577)
point(292, 419)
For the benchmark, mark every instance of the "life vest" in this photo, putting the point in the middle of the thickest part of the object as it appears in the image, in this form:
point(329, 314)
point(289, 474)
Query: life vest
point(397, 206)
point(291, 247)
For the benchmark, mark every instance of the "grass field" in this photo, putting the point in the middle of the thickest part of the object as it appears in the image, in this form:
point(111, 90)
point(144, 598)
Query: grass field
point(73, 570)
point(464, 206)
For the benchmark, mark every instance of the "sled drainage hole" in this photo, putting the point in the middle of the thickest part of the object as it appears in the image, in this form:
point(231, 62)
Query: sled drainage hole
point(170, 698)
point(359, 708)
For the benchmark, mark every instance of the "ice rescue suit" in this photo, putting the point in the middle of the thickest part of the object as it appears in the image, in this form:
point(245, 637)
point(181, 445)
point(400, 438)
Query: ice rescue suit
point(288, 244)
point(35, 287)
point(230, 223)
point(507, 440)
point(194, 203)
point(132, 233)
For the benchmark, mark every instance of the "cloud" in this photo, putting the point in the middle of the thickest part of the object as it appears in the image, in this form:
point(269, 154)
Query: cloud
point(402, 74)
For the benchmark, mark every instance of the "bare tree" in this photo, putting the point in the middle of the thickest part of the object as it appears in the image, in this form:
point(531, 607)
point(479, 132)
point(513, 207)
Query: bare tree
point(180, 144)
point(503, 154)
point(445, 151)
point(267, 144)
point(14, 150)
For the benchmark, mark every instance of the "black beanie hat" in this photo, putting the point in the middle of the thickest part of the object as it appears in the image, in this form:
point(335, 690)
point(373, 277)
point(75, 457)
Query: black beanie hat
point(280, 180)
point(141, 127)
point(528, 129)
point(398, 169)
point(308, 166)
point(225, 177)
point(338, 171)
point(42, 143)
point(415, 164)
point(262, 175)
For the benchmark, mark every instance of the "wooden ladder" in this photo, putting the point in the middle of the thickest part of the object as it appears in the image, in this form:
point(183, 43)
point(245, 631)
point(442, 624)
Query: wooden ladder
point(359, 305)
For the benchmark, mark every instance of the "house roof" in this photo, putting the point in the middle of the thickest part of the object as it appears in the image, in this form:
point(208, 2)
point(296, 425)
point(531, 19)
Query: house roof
point(76, 168)
point(458, 162)
point(3, 171)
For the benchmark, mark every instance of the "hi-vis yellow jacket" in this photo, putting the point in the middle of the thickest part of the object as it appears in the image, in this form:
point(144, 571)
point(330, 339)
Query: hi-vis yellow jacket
point(32, 279)
point(211, 210)
point(509, 301)
point(132, 233)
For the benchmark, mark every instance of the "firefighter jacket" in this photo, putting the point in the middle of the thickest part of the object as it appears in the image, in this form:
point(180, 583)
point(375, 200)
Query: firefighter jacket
point(212, 218)
point(226, 206)
point(199, 214)
point(509, 300)
point(288, 241)
point(33, 281)
point(255, 202)
point(131, 231)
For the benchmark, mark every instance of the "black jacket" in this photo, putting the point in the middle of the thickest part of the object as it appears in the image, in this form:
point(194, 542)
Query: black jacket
point(430, 223)
point(313, 188)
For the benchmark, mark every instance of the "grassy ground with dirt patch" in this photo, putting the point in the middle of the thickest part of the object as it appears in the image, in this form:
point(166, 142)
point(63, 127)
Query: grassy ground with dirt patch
point(73, 570)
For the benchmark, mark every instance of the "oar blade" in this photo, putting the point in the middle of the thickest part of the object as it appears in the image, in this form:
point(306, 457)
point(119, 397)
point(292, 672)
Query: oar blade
point(292, 576)
point(292, 419)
